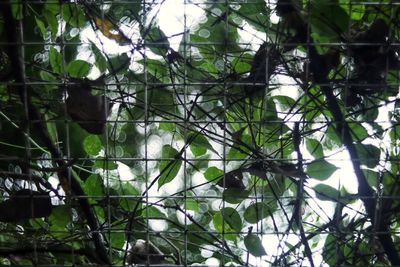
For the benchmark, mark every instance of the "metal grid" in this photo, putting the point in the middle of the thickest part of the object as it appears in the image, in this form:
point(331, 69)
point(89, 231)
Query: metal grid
point(120, 147)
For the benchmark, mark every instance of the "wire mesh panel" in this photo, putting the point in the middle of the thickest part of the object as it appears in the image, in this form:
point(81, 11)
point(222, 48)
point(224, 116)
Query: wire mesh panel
point(199, 133)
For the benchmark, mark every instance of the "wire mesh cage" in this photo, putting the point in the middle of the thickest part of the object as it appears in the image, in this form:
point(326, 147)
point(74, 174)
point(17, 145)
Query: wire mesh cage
point(199, 133)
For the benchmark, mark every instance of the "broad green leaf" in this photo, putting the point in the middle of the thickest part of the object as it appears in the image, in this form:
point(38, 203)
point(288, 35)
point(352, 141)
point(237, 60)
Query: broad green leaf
point(73, 15)
point(168, 168)
point(256, 14)
point(239, 151)
point(199, 144)
point(156, 40)
point(326, 192)
point(56, 61)
point(358, 132)
point(131, 196)
point(100, 60)
point(328, 19)
point(41, 26)
point(330, 252)
point(59, 219)
point(372, 177)
point(368, 155)
point(356, 11)
point(235, 195)
point(241, 66)
point(227, 220)
point(52, 21)
point(117, 237)
point(167, 126)
point(331, 139)
point(154, 212)
point(94, 186)
point(192, 204)
point(105, 164)
point(285, 102)
point(52, 7)
point(256, 212)
point(315, 148)
point(213, 174)
point(78, 68)
point(92, 145)
point(254, 245)
point(320, 169)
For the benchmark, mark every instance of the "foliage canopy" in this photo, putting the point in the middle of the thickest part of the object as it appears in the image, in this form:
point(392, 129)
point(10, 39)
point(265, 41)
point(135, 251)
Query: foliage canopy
point(121, 145)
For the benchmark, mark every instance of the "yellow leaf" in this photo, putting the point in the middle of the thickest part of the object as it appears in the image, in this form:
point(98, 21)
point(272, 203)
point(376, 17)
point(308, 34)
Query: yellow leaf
point(107, 28)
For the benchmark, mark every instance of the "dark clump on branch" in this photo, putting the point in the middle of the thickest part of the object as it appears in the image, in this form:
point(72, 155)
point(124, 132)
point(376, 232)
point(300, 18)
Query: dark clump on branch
point(263, 66)
point(25, 204)
point(373, 58)
point(88, 110)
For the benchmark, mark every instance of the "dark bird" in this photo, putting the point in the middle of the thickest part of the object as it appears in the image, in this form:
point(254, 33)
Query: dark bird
point(88, 110)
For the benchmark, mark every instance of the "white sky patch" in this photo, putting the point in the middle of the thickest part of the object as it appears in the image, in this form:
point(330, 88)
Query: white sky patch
point(171, 19)
point(124, 171)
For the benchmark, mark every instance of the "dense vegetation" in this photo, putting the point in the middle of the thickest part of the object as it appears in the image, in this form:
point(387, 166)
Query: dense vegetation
point(267, 136)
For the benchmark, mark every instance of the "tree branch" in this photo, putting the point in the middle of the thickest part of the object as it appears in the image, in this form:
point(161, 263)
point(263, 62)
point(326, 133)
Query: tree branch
point(18, 68)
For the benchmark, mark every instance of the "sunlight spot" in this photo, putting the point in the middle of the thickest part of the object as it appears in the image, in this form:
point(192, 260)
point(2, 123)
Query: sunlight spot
point(158, 225)
point(124, 172)
point(212, 262)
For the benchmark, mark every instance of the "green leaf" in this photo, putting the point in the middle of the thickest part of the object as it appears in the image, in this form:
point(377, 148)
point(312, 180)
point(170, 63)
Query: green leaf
point(92, 145)
point(371, 176)
point(156, 40)
point(326, 192)
point(227, 220)
point(199, 144)
point(192, 204)
point(213, 174)
point(117, 237)
point(330, 252)
point(78, 68)
point(154, 212)
point(74, 15)
point(328, 19)
point(100, 60)
point(17, 9)
point(285, 102)
point(320, 169)
point(368, 155)
point(256, 212)
point(52, 7)
point(254, 245)
point(356, 11)
point(168, 168)
point(358, 132)
point(41, 26)
point(130, 198)
point(315, 148)
point(256, 14)
point(94, 185)
point(167, 126)
point(105, 164)
point(56, 60)
point(235, 195)
point(59, 219)
point(331, 139)
point(52, 21)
